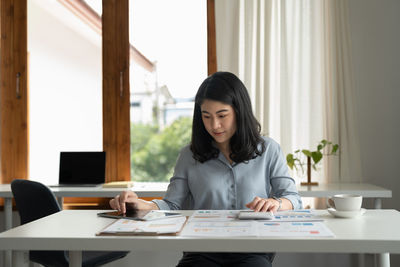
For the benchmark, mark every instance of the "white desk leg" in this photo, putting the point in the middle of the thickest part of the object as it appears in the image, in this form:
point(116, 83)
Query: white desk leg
point(75, 259)
point(60, 201)
point(382, 260)
point(361, 260)
point(20, 258)
point(7, 213)
point(7, 258)
point(7, 225)
point(377, 203)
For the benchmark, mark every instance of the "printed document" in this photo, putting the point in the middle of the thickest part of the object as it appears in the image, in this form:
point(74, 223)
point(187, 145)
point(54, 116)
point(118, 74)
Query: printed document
point(156, 227)
point(220, 228)
point(296, 216)
point(214, 215)
point(294, 229)
point(231, 215)
point(224, 223)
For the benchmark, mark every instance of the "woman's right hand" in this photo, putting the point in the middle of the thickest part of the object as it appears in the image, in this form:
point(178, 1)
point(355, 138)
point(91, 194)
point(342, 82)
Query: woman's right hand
point(130, 198)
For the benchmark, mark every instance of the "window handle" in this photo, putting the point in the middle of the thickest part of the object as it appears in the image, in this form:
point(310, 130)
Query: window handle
point(121, 83)
point(17, 90)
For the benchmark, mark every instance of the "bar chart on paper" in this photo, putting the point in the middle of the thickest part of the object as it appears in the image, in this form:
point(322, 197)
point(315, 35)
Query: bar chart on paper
point(296, 215)
point(294, 229)
point(219, 228)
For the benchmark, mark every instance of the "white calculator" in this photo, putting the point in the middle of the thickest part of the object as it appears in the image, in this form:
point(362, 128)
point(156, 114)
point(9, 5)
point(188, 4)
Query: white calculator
point(252, 215)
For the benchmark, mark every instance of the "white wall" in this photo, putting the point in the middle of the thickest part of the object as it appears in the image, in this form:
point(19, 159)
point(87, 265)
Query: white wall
point(375, 46)
point(375, 39)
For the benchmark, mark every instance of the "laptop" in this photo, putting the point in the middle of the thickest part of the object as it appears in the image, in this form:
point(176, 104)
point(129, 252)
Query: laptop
point(82, 169)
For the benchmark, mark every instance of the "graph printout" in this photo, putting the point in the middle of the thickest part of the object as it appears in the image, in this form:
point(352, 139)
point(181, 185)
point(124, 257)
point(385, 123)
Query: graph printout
point(220, 228)
point(296, 216)
point(214, 215)
point(132, 227)
point(294, 229)
point(231, 215)
point(224, 223)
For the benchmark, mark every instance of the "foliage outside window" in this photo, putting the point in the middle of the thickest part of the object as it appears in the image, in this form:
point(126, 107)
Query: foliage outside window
point(154, 152)
point(161, 98)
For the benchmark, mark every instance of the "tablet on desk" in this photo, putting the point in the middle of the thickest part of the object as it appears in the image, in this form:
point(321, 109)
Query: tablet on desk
point(140, 215)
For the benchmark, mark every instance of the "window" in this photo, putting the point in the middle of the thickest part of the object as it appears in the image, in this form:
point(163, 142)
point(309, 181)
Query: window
point(65, 87)
point(162, 99)
point(67, 108)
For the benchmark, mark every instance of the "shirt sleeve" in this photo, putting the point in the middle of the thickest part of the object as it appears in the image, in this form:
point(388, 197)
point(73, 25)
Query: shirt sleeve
point(178, 193)
point(282, 185)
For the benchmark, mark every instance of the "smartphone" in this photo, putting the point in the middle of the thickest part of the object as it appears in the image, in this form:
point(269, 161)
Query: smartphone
point(140, 215)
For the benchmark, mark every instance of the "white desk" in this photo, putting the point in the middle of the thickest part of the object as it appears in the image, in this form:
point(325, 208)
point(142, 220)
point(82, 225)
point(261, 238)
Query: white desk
point(142, 189)
point(158, 190)
point(363, 189)
point(74, 230)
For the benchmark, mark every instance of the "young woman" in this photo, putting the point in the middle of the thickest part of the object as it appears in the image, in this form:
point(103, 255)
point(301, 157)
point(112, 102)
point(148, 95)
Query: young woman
point(228, 165)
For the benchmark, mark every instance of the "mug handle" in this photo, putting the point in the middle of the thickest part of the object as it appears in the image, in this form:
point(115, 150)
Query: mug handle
point(330, 203)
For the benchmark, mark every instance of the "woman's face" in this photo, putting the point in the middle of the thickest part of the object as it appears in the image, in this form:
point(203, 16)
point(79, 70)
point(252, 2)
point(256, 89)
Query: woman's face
point(219, 119)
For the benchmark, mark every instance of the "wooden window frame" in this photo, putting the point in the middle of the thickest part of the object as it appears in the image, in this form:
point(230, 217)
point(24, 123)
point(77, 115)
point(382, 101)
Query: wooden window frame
point(13, 91)
point(211, 38)
point(116, 94)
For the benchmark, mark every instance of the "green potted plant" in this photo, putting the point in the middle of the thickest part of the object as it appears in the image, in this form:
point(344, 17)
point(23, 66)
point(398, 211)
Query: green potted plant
point(296, 159)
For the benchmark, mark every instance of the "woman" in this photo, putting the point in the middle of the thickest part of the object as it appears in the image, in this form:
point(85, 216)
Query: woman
point(227, 166)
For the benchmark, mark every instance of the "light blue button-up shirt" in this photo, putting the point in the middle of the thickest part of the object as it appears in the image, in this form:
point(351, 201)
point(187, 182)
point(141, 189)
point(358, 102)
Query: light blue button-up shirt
point(215, 184)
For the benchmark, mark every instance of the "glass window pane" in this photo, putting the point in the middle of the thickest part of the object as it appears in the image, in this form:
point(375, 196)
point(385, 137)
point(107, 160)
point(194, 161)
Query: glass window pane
point(162, 100)
point(65, 88)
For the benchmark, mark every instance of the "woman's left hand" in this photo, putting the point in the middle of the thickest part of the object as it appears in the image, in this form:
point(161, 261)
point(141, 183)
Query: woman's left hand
point(263, 204)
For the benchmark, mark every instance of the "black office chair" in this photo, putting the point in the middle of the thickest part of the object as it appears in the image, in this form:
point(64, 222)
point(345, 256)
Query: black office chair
point(34, 201)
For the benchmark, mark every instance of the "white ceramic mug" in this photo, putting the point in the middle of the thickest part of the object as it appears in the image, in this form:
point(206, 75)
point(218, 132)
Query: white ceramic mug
point(345, 202)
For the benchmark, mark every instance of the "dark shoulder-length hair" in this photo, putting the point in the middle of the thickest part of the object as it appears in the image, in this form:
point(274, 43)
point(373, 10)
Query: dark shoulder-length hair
point(246, 143)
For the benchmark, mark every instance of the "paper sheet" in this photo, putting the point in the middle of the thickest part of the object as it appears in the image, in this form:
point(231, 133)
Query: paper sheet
point(231, 215)
point(294, 229)
point(214, 215)
point(162, 226)
point(296, 216)
point(220, 229)
point(224, 223)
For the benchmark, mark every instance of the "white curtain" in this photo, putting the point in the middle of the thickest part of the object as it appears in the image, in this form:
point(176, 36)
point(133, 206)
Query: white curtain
point(339, 112)
point(293, 57)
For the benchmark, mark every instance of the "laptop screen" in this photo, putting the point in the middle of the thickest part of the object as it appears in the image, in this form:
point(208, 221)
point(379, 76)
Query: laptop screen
point(82, 167)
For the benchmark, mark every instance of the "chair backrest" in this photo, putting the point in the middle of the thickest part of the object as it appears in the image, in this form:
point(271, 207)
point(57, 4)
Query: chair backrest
point(33, 199)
